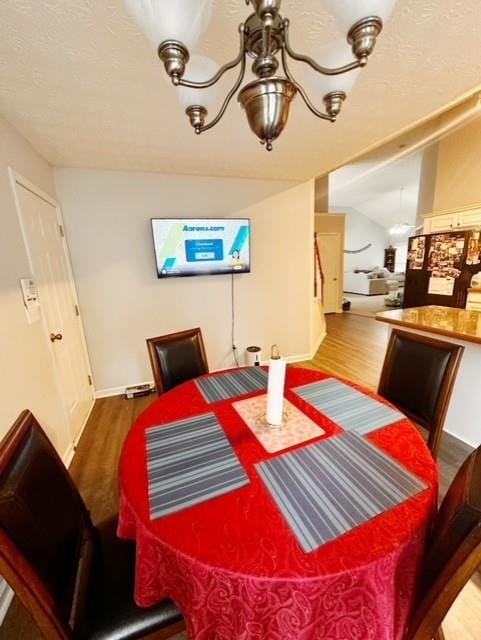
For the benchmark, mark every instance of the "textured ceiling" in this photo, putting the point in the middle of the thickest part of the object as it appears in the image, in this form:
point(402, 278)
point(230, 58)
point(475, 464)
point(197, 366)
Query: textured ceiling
point(83, 84)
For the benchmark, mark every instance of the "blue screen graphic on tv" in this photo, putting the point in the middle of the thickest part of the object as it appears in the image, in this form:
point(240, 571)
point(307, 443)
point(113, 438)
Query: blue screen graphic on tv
point(201, 246)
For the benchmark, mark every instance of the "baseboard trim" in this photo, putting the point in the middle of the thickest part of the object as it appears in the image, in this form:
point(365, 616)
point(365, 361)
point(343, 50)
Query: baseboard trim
point(319, 342)
point(84, 425)
point(458, 437)
point(107, 393)
point(119, 391)
point(6, 597)
point(300, 358)
point(69, 454)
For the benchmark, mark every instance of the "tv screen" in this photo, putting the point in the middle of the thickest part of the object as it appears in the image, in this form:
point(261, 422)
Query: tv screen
point(201, 246)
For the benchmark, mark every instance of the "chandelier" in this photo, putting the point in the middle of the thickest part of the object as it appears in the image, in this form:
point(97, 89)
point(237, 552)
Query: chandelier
point(176, 27)
point(400, 228)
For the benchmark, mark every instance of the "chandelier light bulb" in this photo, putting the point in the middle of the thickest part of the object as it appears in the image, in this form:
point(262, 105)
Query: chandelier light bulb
point(349, 12)
point(184, 21)
point(334, 54)
point(400, 228)
point(199, 68)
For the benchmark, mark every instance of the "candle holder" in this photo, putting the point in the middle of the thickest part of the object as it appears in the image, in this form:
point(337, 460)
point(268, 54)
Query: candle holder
point(262, 421)
point(295, 426)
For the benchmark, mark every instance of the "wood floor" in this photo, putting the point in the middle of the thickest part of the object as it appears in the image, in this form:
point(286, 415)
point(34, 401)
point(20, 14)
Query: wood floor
point(354, 348)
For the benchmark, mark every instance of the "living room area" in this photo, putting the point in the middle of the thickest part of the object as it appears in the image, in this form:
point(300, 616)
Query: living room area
point(371, 290)
point(381, 198)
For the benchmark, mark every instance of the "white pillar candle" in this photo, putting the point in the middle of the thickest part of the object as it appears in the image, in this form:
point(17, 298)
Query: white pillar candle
point(275, 388)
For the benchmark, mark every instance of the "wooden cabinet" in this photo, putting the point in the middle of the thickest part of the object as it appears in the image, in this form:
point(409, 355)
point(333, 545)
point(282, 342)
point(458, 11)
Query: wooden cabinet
point(445, 222)
point(390, 258)
point(473, 303)
point(454, 219)
point(469, 218)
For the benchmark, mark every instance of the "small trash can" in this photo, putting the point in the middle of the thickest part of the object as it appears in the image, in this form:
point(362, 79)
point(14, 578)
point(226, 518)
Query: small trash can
point(253, 356)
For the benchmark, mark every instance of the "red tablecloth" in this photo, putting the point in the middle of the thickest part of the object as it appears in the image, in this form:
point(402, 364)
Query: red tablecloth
point(235, 569)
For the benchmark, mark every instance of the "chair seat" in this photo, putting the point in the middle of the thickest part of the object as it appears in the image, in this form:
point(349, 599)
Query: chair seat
point(111, 612)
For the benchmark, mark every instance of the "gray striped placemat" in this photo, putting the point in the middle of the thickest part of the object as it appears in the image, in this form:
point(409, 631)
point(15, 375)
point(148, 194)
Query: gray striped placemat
point(233, 384)
point(328, 488)
point(189, 461)
point(347, 407)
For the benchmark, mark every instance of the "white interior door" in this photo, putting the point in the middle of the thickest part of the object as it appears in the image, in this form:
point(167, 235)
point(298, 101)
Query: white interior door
point(329, 245)
point(47, 253)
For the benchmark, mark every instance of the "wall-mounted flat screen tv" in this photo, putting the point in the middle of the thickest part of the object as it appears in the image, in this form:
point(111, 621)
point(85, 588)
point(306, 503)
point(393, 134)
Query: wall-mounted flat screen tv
point(201, 246)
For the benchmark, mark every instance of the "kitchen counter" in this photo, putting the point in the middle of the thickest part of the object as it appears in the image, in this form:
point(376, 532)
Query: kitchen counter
point(460, 326)
point(446, 321)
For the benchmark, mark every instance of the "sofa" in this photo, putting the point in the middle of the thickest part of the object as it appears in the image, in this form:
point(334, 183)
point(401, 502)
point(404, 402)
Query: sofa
point(372, 281)
point(396, 280)
point(362, 282)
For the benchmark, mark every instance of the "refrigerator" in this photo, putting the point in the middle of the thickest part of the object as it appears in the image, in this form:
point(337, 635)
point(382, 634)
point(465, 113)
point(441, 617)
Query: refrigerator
point(440, 266)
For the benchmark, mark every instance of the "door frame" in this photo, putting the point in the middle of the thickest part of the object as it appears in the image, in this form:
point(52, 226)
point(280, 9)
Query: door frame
point(18, 179)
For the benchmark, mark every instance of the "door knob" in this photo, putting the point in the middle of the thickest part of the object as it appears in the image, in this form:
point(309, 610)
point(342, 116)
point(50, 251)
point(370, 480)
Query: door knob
point(55, 336)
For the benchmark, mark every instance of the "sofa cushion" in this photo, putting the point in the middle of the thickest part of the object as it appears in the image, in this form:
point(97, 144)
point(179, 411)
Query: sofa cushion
point(362, 284)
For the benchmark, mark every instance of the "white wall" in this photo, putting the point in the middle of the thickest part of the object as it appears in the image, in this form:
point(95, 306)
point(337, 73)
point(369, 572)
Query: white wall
point(360, 231)
point(107, 216)
point(26, 376)
point(276, 303)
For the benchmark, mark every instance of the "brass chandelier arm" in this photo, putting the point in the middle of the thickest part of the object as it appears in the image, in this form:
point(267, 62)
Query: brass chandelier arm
point(312, 63)
point(303, 94)
point(226, 67)
point(229, 96)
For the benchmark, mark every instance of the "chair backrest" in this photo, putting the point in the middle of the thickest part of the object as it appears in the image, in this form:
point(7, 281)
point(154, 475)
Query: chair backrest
point(418, 377)
point(46, 535)
point(177, 357)
point(453, 551)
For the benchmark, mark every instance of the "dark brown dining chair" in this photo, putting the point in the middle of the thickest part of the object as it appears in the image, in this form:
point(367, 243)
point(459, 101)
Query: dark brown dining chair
point(177, 357)
point(418, 376)
point(76, 580)
point(453, 552)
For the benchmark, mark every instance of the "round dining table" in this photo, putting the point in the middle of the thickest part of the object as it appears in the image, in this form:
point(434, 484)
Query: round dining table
point(233, 565)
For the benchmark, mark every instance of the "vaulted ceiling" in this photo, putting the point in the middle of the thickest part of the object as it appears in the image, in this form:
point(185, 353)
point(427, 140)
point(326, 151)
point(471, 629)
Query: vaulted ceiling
point(83, 84)
point(386, 196)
